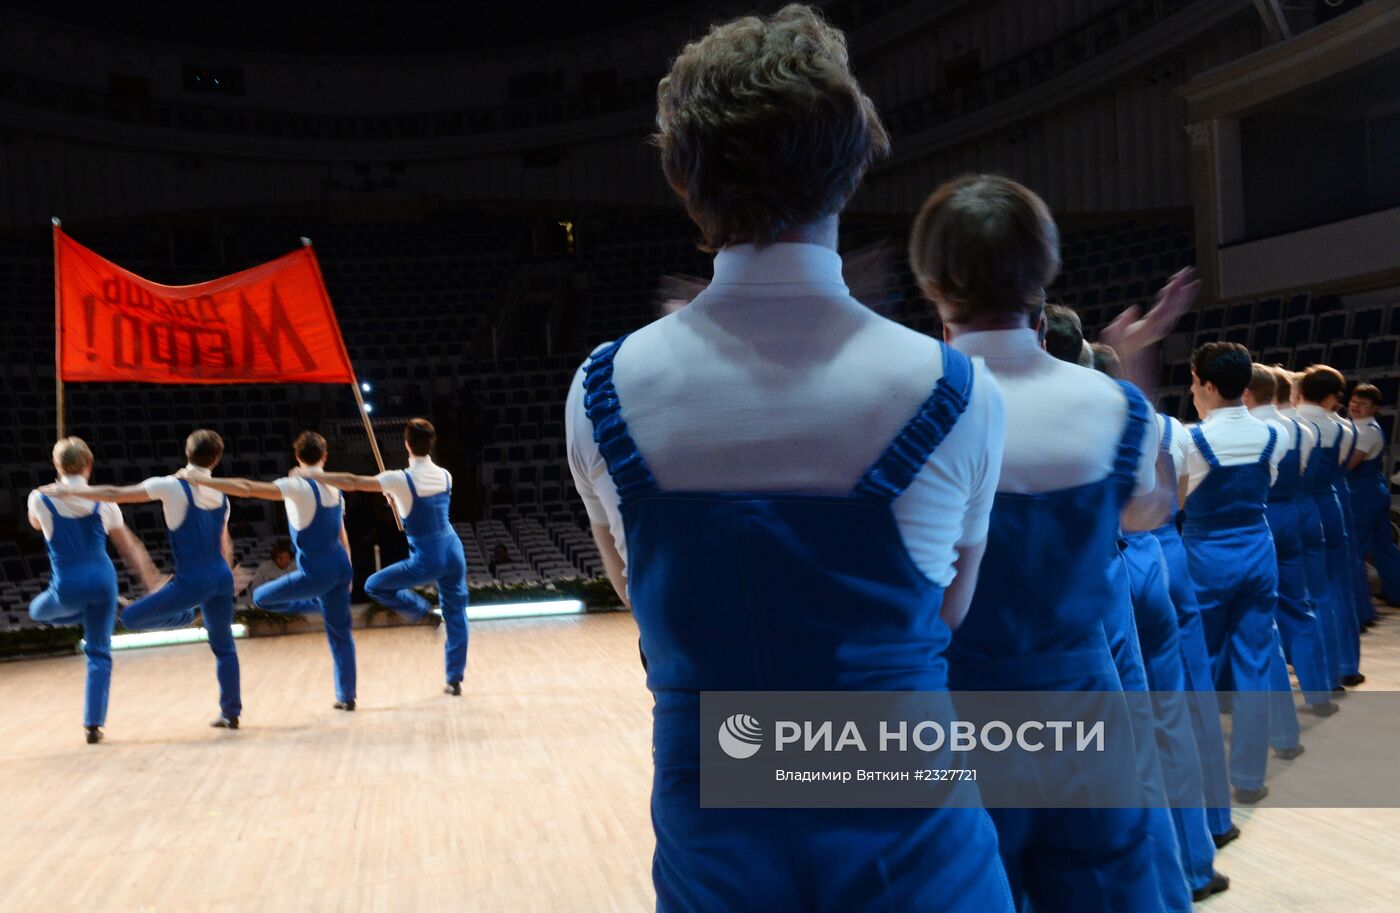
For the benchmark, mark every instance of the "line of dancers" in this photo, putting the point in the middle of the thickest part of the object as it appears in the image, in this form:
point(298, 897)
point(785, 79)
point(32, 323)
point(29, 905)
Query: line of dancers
point(83, 586)
point(795, 494)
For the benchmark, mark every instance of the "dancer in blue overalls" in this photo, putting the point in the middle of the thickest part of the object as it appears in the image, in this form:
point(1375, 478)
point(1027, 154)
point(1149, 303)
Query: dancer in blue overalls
point(764, 542)
point(1146, 644)
point(203, 551)
point(422, 494)
point(1232, 464)
point(1370, 498)
point(982, 249)
point(1299, 628)
point(1319, 391)
point(83, 587)
point(1360, 592)
point(321, 583)
point(1200, 679)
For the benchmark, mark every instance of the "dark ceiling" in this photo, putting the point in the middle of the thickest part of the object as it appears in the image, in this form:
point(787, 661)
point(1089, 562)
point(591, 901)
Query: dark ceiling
point(387, 27)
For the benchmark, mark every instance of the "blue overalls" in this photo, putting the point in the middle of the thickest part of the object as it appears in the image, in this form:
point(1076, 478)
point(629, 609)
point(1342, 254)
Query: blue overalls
point(1299, 626)
point(434, 556)
point(1328, 493)
point(1037, 623)
point(1175, 742)
point(767, 591)
point(202, 580)
point(82, 590)
point(1231, 554)
point(1313, 490)
point(1370, 510)
point(321, 583)
point(1360, 590)
point(1200, 680)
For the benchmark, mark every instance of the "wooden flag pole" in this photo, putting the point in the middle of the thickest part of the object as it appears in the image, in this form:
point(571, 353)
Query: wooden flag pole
point(58, 333)
point(355, 388)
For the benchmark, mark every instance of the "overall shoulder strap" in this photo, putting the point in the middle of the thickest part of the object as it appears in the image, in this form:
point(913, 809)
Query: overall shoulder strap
point(447, 476)
point(412, 489)
point(630, 473)
point(53, 511)
point(96, 508)
point(1166, 432)
point(902, 459)
point(315, 498)
point(1269, 448)
point(1199, 437)
point(189, 493)
point(1125, 461)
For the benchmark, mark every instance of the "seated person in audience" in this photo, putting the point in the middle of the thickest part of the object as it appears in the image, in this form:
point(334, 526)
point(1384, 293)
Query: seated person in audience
point(797, 498)
point(83, 583)
point(422, 495)
point(278, 564)
point(1370, 495)
point(322, 579)
point(499, 555)
point(197, 521)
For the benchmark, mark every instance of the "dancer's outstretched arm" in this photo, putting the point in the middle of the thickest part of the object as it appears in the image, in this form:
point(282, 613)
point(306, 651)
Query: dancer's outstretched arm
point(117, 494)
point(238, 488)
point(136, 558)
point(347, 481)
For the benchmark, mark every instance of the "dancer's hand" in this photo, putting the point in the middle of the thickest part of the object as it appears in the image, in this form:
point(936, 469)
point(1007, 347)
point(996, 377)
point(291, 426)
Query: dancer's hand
point(183, 473)
point(53, 488)
point(1132, 331)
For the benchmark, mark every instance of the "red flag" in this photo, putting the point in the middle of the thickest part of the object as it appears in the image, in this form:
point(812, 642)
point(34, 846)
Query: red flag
point(269, 324)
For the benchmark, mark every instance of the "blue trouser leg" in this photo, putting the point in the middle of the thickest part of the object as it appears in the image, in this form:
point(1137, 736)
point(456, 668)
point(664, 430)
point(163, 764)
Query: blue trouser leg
point(438, 561)
point(171, 606)
point(1125, 644)
point(324, 588)
point(97, 615)
point(1356, 549)
point(1340, 575)
point(452, 593)
point(1283, 714)
point(1236, 574)
point(1370, 509)
point(1200, 683)
point(1159, 637)
point(1298, 624)
point(1319, 584)
point(217, 608)
point(390, 587)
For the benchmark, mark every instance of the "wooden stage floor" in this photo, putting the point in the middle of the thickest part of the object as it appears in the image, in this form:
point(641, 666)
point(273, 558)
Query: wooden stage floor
point(528, 793)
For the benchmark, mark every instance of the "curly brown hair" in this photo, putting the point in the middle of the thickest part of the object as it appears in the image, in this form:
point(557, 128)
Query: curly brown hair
point(984, 245)
point(762, 127)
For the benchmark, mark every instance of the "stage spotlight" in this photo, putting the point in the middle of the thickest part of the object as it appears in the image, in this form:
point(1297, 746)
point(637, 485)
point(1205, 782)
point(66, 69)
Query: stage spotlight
point(369, 407)
point(365, 387)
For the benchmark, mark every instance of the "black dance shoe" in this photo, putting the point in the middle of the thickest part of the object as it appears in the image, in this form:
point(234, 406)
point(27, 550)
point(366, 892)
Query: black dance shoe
point(1288, 754)
point(1351, 681)
point(225, 722)
point(1216, 884)
point(345, 705)
point(1230, 836)
point(1324, 710)
point(1251, 796)
point(453, 688)
point(94, 734)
